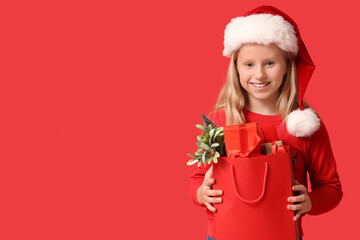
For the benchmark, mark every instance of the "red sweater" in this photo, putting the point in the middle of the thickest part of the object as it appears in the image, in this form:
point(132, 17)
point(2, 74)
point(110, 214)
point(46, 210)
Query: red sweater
point(314, 156)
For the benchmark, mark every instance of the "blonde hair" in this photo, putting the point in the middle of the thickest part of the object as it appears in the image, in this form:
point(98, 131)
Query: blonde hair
point(233, 97)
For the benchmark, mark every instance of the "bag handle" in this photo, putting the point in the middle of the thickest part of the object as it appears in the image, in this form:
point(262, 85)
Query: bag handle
point(263, 189)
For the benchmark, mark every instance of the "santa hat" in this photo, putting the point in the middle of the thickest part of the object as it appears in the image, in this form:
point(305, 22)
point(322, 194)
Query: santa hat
point(265, 25)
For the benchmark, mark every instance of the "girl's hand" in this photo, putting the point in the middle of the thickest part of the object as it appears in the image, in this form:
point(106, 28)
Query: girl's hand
point(205, 193)
point(302, 203)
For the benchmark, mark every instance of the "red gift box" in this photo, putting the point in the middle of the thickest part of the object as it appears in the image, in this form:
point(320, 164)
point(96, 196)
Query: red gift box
point(255, 189)
point(241, 140)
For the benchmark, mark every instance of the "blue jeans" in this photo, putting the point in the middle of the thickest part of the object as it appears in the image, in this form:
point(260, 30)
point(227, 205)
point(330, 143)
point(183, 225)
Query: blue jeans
point(210, 238)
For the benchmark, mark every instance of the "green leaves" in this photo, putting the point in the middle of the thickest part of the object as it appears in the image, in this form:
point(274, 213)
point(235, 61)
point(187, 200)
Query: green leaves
point(192, 161)
point(211, 144)
point(198, 154)
point(205, 146)
point(201, 127)
point(211, 133)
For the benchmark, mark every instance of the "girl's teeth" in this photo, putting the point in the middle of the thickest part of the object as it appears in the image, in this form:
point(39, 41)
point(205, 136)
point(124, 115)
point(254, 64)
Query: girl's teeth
point(260, 85)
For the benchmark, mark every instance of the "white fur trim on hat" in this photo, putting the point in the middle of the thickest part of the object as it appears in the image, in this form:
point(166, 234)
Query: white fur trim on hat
point(261, 28)
point(302, 123)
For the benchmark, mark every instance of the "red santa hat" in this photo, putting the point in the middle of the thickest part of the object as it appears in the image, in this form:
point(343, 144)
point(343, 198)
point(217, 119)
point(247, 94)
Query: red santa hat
point(265, 25)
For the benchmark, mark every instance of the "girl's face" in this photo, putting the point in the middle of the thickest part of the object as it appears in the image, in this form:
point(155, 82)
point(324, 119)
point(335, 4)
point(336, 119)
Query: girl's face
point(261, 70)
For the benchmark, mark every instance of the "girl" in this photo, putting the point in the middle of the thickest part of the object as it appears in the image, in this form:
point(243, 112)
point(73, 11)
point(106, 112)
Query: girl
point(266, 81)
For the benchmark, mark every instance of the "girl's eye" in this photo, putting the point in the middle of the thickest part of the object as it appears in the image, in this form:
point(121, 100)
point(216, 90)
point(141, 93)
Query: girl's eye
point(269, 63)
point(248, 64)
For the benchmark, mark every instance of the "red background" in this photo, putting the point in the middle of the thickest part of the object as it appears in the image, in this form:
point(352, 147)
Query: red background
point(99, 101)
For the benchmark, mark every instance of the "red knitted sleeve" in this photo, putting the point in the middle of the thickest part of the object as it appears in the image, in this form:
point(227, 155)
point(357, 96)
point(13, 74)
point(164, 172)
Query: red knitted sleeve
point(326, 191)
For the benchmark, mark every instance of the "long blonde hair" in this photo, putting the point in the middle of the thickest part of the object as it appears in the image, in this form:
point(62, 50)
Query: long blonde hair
point(233, 97)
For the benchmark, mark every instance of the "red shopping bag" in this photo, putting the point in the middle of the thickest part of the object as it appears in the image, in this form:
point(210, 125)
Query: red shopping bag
point(255, 192)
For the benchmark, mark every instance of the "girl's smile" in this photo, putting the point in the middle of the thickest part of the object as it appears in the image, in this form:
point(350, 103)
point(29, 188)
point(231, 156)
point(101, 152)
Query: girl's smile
point(260, 86)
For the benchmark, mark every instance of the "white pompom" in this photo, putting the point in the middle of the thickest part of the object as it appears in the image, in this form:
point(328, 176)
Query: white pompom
point(302, 123)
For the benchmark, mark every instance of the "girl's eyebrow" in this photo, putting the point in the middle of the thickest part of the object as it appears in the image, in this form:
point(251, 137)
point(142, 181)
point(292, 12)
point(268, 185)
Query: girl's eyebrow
point(245, 60)
point(250, 60)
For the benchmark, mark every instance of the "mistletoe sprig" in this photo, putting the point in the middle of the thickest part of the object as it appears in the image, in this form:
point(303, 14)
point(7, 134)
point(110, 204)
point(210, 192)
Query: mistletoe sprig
point(211, 143)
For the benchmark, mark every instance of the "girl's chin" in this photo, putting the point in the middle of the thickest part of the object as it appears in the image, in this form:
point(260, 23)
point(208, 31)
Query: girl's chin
point(263, 97)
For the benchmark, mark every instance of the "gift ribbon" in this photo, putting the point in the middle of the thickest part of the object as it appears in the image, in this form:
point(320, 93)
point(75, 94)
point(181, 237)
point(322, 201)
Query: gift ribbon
point(277, 149)
point(236, 153)
point(273, 148)
point(281, 149)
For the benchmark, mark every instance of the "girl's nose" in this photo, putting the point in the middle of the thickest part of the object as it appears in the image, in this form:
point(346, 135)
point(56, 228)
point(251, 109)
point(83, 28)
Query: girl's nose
point(260, 73)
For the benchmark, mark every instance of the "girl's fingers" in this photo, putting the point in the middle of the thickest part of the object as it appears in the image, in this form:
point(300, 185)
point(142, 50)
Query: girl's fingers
point(295, 207)
point(213, 200)
point(209, 173)
point(210, 182)
point(300, 188)
point(297, 215)
point(299, 198)
point(213, 192)
point(211, 208)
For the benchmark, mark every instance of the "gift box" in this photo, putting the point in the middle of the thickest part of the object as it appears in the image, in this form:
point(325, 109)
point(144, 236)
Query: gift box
point(255, 187)
point(241, 140)
point(272, 147)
